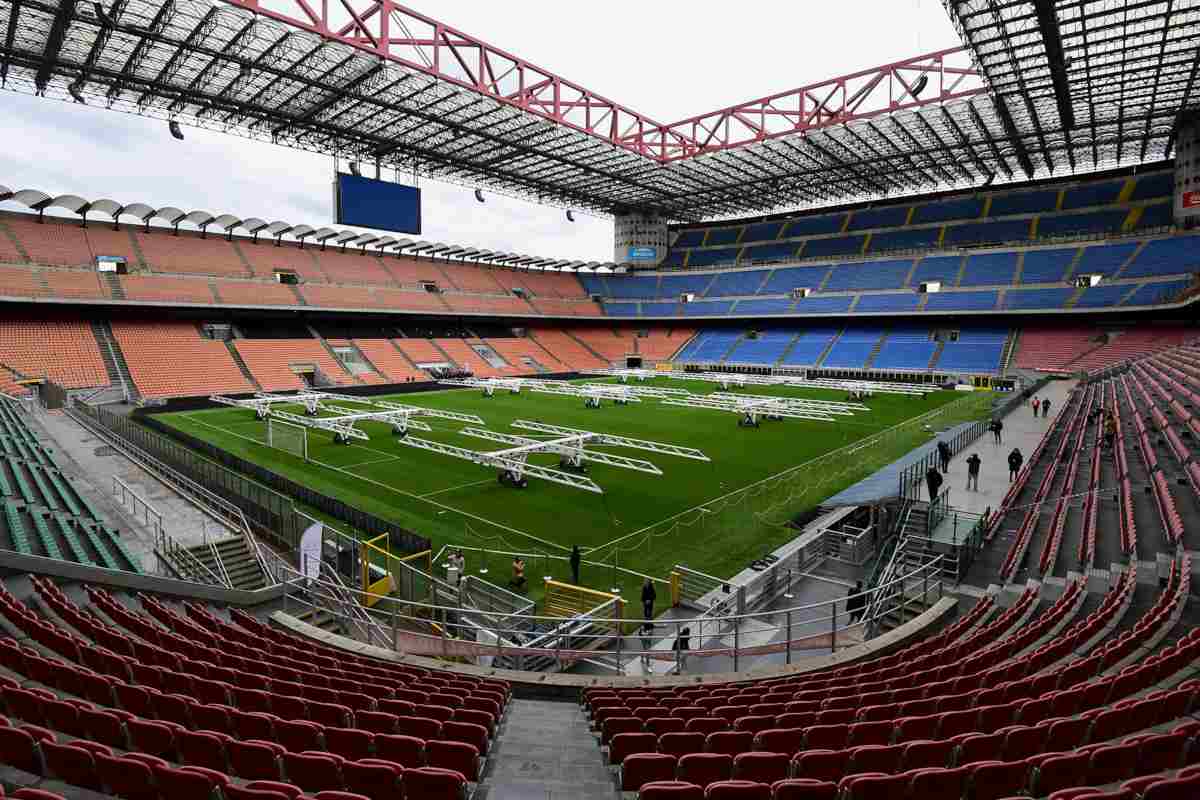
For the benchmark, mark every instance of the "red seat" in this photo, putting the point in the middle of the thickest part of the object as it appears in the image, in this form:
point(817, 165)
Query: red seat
point(1060, 772)
point(127, 778)
point(862, 733)
point(468, 732)
point(378, 780)
point(204, 749)
point(431, 783)
point(873, 786)
point(71, 764)
point(458, 756)
point(19, 749)
point(875, 758)
point(1114, 764)
point(185, 784)
point(255, 759)
point(923, 755)
point(937, 783)
point(738, 790)
point(155, 738)
point(420, 727)
point(349, 743)
point(803, 789)
point(312, 772)
point(680, 744)
point(624, 744)
point(615, 725)
point(754, 724)
point(977, 747)
point(407, 751)
point(298, 735)
point(671, 790)
point(1177, 789)
point(639, 769)
point(1161, 752)
point(729, 742)
point(760, 767)
point(705, 768)
point(1021, 742)
point(706, 725)
point(821, 765)
point(660, 725)
point(211, 718)
point(995, 780)
point(104, 726)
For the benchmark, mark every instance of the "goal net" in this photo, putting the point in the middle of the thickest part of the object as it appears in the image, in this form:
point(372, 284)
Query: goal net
point(289, 437)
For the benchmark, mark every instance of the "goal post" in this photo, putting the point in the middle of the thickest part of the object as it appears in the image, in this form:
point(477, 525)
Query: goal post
point(288, 437)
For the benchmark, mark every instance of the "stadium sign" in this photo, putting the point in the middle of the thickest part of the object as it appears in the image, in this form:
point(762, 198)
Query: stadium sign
point(643, 253)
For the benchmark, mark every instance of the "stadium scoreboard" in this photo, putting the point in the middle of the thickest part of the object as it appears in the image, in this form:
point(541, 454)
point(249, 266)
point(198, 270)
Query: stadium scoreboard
point(371, 203)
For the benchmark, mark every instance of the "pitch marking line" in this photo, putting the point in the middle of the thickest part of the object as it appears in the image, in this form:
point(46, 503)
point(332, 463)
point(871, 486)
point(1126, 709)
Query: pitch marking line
point(452, 488)
point(372, 461)
point(398, 491)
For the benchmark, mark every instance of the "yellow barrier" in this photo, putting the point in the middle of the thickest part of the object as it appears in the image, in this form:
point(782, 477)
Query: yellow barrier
point(567, 600)
point(676, 588)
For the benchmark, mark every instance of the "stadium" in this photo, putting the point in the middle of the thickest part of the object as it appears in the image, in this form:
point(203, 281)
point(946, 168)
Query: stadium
point(863, 465)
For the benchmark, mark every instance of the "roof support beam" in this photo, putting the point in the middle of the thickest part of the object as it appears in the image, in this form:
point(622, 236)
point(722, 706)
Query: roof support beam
point(54, 43)
point(1052, 39)
point(1014, 137)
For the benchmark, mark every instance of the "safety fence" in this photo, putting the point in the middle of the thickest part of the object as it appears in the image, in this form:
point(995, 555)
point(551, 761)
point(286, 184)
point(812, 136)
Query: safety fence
point(607, 636)
point(270, 512)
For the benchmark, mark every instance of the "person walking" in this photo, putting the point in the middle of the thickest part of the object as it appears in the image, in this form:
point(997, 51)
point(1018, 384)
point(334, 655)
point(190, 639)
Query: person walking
point(1036, 403)
point(856, 603)
point(1110, 431)
point(645, 632)
point(943, 450)
point(1046, 408)
point(933, 479)
point(683, 643)
point(648, 598)
point(995, 428)
point(973, 472)
point(1015, 460)
point(576, 558)
point(518, 579)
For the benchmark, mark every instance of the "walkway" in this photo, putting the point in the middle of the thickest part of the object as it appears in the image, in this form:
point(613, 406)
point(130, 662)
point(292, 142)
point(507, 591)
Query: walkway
point(91, 464)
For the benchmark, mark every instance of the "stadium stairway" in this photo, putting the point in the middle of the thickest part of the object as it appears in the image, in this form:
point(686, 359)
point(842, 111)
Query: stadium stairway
point(545, 751)
point(114, 361)
point(230, 557)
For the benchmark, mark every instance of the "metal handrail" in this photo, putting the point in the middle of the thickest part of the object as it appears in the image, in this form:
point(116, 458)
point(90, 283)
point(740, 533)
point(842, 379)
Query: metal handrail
point(220, 562)
point(167, 544)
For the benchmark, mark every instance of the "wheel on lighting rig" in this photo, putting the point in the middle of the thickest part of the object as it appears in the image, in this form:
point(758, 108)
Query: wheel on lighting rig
point(399, 433)
point(505, 477)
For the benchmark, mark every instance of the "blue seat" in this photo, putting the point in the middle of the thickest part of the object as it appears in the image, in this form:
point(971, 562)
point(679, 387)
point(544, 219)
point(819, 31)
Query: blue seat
point(1159, 184)
point(1158, 215)
point(621, 309)
point(1057, 297)
point(594, 284)
point(723, 236)
point(962, 301)
point(762, 231)
point(1092, 194)
point(674, 285)
point(905, 239)
point(766, 305)
point(1175, 256)
point(814, 226)
point(937, 268)
point(834, 246)
point(1047, 266)
point(946, 210)
point(852, 348)
point(906, 301)
point(910, 349)
point(673, 259)
point(977, 233)
point(1105, 294)
point(709, 346)
point(1104, 259)
point(707, 308)
point(990, 269)
point(1156, 292)
point(711, 258)
point(690, 238)
point(808, 347)
point(887, 217)
point(824, 305)
point(766, 349)
point(1038, 201)
point(729, 284)
point(779, 251)
point(629, 287)
point(977, 351)
point(783, 280)
point(659, 309)
point(1088, 222)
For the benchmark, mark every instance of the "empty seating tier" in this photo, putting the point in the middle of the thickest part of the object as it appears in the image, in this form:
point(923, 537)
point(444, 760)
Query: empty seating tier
point(171, 359)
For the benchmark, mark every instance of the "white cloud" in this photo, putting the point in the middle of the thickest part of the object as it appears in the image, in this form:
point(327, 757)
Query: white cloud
point(667, 60)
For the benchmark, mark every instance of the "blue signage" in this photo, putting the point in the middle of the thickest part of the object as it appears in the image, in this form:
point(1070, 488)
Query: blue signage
point(643, 253)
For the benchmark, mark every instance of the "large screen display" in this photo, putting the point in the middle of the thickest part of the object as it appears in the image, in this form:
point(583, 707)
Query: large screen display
point(369, 203)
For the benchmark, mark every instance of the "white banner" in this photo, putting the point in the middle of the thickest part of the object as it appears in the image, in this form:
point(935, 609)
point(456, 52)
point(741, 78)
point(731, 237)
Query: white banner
point(310, 551)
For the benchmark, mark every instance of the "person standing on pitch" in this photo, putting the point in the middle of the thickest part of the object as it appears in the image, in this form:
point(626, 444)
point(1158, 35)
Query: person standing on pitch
point(1046, 408)
point(648, 598)
point(1015, 460)
point(973, 472)
point(943, 450)
point(576, 557)
point(933, 479)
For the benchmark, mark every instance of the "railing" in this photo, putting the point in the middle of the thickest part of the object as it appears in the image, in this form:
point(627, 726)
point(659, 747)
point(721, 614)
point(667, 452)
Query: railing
point(937, 511)
point(140, 506)
point(186, 561)
point(208, 502)
point(912, 477)
point(718, 633)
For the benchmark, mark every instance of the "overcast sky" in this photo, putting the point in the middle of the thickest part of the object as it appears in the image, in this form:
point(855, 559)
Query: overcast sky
point(667, 60)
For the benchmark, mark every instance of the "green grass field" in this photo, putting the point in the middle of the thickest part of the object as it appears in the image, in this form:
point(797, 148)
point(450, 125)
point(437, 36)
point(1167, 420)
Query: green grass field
point(452, 501)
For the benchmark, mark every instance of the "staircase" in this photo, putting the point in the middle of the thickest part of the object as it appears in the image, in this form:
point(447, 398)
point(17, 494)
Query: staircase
point(113, 283)
point(825, 353)
point(787, 350)
point(295, 287)
point(114, 361)
point(237, 359)
point(937, 353)
point(226, 558)
point(336, 358)
point(586, 346)
point(875, 351)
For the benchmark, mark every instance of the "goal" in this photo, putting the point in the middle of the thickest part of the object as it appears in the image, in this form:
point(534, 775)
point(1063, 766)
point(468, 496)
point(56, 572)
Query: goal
point(289, 437)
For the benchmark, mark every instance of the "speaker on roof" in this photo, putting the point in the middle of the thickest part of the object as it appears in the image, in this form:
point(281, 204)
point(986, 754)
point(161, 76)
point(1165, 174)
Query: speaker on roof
point(570, 215)
point(479, 195)
point(920, 85)
point(176, 131)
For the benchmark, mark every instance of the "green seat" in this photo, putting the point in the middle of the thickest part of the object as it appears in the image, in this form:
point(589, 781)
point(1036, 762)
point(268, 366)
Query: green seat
point(106, 557)
point(64, 491)
point(22, 484)
point(135, 563)
point(51, 498)
point(16, 528)
point(76, 546)
point(49, 543)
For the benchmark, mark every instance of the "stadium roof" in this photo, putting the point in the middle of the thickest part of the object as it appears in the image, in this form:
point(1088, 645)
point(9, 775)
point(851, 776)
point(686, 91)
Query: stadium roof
point(1040, 88)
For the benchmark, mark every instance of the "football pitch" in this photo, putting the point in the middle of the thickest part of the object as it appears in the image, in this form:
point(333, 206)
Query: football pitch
point(642, 522)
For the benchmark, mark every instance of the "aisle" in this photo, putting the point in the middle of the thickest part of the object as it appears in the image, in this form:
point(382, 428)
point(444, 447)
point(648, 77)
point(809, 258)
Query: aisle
point(545, 751)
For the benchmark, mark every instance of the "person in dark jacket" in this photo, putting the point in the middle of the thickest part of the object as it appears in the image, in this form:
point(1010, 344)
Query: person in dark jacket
point(1015, 460)
point(856, 602)
point(576, 557)
point(648, 598)
point(973, 464)
point(933, 479)
point(943, 450)
point(1045, 408)
point(995, 428)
